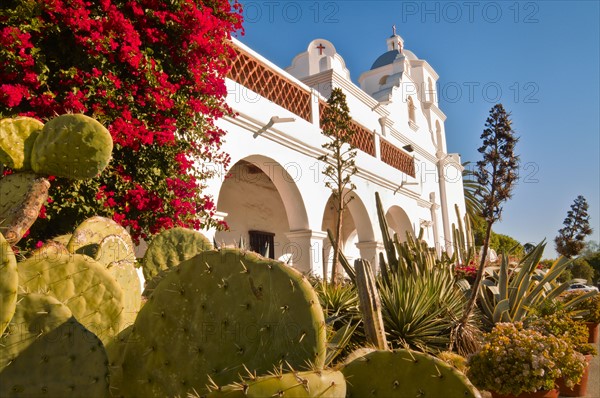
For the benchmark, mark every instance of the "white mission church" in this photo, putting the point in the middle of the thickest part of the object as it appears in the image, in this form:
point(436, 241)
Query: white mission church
point(274, 191)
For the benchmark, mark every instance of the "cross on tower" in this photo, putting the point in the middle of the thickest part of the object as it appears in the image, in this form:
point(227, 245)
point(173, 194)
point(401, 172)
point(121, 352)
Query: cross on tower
point(393, 30)
point(321, 47)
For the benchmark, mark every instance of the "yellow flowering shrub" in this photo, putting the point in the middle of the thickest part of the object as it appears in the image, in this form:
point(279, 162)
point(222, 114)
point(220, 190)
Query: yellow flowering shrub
point(513, 360)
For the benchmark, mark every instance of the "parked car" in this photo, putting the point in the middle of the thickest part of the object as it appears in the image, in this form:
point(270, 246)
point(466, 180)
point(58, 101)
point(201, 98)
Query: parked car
point(582, 288)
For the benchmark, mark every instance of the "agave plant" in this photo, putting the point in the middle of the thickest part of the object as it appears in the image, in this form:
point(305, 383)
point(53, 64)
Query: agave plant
point(420, 297)
point(339, 302)
point(342, 317)
point(512, 295)
point(420, 310)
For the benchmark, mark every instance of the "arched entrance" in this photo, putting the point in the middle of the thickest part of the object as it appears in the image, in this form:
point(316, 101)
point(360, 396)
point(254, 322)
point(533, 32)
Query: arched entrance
point(356, 228)
point(398, 222)
point(262, 204)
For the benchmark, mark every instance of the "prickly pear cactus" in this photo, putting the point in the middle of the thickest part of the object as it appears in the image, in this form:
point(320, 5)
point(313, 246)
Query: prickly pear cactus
point(72, 146)
point(125, 274)
point(216, 313)
point(171, 247)
point(114, 248)
point(404, 373)
point(88, 235)
point(115, 349)
point(84, 285)
point(17, 136)
point(21, 198)
point(48, 251)
point(311, 384)
point(62, 239)
point(46, 352)
point(9, 281)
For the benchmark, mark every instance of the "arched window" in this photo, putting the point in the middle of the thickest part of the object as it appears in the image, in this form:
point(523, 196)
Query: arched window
point(431, 91)
point(383, 80)
point(411, 110)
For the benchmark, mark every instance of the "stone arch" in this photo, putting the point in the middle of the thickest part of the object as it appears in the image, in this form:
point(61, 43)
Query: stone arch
point(285, 183)
point(357, 226)
point(399, 222)
point(260, 195)
point(360, 218)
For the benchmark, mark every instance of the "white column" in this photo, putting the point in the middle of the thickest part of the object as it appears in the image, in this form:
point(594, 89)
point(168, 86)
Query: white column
point(306, 248)
point(370, 251)
point(377, 139)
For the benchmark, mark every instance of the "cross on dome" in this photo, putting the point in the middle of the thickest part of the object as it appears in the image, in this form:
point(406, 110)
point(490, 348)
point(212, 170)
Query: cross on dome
point(321, 47)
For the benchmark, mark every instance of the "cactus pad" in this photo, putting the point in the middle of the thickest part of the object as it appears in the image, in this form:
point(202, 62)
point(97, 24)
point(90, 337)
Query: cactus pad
point(89, 234)
point(403, 373)
point(72, 146)
point(46, 352)
point(323, 384)
point(126, 276)
point(21, 198)
point(9, 281)
point(171, 247)
point(16, 141)
point(85, 286)
point(113, 249)
point(216, 313)
point(62, 239)
point(115, 349)
point(49, 251)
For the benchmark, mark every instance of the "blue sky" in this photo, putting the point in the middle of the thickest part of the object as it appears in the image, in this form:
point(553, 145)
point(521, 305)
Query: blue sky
point(539, 58)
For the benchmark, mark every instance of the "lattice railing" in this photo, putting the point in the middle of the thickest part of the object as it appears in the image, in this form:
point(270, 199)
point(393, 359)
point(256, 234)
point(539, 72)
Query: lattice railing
point(395, 157)
point(363, 139)
point(258, 77)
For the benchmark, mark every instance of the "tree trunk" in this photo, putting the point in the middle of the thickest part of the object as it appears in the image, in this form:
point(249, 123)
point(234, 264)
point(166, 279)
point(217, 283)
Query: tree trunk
point(336, 248)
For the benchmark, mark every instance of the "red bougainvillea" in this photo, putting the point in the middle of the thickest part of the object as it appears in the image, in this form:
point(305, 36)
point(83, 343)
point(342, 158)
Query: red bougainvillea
point(152, 71)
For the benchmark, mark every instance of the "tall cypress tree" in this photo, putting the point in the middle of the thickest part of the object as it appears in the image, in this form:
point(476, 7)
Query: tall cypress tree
point(570, 239)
